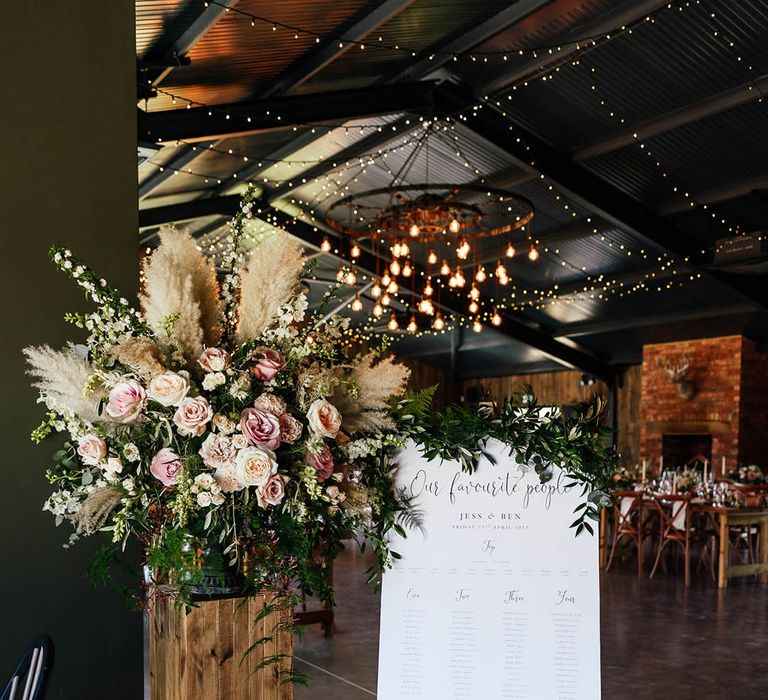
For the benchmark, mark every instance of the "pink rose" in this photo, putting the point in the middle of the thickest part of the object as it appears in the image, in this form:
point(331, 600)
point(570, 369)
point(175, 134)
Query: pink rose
point(290, 428)
point(322, 462)
point(272, 492)
point(192, 415)
point(324, 418)
point(262, 429)
point(126, 400)
point(218, 451)
point(214, 360)
point(92, 450)
point(269, 403)
point(267, 363)
point(165, 466)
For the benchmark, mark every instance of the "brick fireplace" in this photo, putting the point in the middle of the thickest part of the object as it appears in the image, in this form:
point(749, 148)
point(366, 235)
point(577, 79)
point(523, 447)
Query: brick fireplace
point(727, 417)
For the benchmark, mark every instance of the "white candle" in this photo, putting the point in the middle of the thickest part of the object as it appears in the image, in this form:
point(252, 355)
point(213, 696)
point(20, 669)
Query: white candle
point(706, 466)
point(643, 478)
point(661, 463)
point(723, 467)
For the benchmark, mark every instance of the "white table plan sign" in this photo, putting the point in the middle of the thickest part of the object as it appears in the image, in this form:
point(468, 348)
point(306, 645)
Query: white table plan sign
point(496, 599)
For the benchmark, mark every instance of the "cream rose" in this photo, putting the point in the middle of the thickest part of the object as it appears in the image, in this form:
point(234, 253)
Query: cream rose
point(324, 418)
point(254, 466)
point(226, 479)
point(214, 360)
point(92, 450)
point(192, 415)
point(224, 424)
point(203, 499)
point(269, 403)
point(168, 389)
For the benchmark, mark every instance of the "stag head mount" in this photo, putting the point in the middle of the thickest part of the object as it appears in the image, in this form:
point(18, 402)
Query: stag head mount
point(678, 374)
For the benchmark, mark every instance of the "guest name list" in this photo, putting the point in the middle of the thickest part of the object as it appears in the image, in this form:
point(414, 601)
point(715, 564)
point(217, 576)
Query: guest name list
point(496, 598)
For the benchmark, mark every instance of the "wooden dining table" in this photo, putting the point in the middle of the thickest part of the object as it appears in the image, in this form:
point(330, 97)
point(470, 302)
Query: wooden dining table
point(726, 517)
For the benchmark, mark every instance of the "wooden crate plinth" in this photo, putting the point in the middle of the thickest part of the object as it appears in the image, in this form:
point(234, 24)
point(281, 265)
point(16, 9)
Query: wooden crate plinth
point(204, 655)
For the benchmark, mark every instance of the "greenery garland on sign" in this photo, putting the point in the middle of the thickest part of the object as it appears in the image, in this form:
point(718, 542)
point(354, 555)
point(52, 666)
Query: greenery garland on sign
point(544, 436)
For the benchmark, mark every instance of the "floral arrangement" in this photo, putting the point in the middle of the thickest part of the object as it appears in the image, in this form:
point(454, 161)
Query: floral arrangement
point(220, 414)
point(688, 480)
point(747, 474)
point(624, 479)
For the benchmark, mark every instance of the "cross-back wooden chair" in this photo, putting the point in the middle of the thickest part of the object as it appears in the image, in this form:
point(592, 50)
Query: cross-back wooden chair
point(628, 524)
point(30, 678)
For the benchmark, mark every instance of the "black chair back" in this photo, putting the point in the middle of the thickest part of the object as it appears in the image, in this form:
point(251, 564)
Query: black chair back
point(30, 679)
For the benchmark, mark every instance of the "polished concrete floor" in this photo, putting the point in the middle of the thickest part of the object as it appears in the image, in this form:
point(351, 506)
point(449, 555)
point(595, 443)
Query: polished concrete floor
point(659, 640)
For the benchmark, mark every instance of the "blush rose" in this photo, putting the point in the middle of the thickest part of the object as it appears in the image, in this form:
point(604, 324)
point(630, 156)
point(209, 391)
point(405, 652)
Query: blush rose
point(165, 466)
point(214, 360)
point(266, 363)
point(262, 429)
point(92, 450)
point(126, 401)
point(322, 462)
point(192, 415)
point(272, 493)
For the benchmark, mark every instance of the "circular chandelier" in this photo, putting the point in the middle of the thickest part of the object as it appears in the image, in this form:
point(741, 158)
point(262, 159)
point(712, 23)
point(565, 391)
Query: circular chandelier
point(442, 230)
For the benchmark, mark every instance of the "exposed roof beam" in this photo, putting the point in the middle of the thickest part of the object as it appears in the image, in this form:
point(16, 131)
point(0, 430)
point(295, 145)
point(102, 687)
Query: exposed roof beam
point(628, 322)
point(180, 46)
point(183, 158)
point(369, 143)
point(365, 21)
point(587, 189)
point(733, 190)
point(462, 41)
point(202, 124)
point(606, 22)
point(184, 211)
point(687, 114)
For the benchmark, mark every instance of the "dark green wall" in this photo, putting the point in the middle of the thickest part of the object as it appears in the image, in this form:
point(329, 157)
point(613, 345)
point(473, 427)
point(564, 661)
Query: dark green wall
point(68, 174)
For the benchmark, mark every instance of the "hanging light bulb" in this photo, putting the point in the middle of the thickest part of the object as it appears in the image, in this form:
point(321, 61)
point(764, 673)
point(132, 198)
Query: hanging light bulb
point(445, 268)
point(392, 287)
point(428, 289)
point(438, 324)
point(414, 230)
point(533, 254)
point(454, 226)
point(432, 257)
point(511, 251)
point(480, 276)
point(341, 274)
point(452, 281)
point(503, 280)
point(325, 246)
point(407, 269)
point(355, 251)
point(385, 279)
point(426, 307)
point(473, 307)
point(377, 310)
point(477, 326)
point(376, 291)
point(411, 327)
point(357, 305)
point(404, 249)
point(385, 300)
point(394, 268)
point(460, 280)
point(393, 325)
point(463, 250)
point(474, 293)
point(351, 278)
point(501, 271)
point(397, 249)
point(496, 318)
